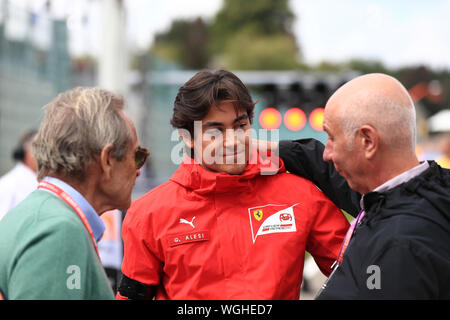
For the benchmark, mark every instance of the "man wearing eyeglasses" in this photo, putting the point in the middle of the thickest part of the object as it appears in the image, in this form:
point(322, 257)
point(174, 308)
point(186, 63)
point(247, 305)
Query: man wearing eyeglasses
point(222, 227)
point(88, 159)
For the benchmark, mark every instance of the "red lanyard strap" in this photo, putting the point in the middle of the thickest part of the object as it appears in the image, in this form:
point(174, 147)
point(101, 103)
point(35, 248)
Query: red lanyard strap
point(348, 236)
point(68, 199)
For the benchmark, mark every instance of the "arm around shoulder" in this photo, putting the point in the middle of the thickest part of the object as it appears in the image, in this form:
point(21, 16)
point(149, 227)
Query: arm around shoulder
point(304, 157)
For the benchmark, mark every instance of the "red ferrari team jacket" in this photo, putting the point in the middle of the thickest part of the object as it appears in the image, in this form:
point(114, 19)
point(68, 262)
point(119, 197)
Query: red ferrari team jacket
point(209, 235)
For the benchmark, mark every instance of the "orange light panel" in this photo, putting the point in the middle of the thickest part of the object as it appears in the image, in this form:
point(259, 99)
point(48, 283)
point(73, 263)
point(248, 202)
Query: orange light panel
point(270, 118)
point(295, 119)
point(316, 119)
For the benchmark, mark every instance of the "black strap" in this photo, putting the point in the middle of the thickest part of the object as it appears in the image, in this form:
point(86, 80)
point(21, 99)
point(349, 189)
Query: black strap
point(136, 290)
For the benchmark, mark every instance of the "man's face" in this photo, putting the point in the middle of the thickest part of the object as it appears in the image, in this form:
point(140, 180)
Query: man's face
point(224, 140)
point(125, 174)
point(343, 151)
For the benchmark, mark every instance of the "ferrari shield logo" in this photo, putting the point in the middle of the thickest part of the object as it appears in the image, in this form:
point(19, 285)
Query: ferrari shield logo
point(277, 218)
point(258, 214)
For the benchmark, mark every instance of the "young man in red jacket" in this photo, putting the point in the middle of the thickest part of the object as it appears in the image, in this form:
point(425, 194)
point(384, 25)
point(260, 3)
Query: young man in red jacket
point(221, 228)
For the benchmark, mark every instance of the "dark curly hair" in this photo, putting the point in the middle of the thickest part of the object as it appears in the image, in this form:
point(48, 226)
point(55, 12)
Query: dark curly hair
point(204, 90)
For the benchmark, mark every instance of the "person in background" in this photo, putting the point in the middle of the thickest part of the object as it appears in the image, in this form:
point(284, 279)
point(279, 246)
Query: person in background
point(110, 246)
point(18, 183)
point(88, 158)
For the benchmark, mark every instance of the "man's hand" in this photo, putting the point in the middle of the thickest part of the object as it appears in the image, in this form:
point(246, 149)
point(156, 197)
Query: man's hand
point(264, 145)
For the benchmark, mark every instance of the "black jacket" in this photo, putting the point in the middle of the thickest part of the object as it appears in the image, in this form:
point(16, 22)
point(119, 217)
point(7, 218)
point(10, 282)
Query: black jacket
point(401, 249)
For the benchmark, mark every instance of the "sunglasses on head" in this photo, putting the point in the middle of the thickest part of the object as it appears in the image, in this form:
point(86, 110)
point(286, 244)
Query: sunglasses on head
point(141, 155)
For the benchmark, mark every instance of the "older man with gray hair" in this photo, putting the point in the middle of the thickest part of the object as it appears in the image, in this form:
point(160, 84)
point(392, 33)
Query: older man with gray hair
point(398, 245)
point(88, 159)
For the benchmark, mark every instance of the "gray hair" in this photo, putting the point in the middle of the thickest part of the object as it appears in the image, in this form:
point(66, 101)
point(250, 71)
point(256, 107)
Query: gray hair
point(77, 125)
point(395, 123)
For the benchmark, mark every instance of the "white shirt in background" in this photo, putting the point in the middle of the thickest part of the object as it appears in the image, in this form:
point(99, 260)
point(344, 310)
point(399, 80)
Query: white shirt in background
point(15, 186)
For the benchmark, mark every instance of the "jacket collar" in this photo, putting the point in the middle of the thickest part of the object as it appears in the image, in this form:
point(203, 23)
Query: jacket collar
point(403, 177)
point(202, 181)
point(394, 182)
point(371, 201)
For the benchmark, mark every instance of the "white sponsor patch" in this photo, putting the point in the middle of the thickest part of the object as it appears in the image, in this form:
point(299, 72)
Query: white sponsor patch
point(270, 219)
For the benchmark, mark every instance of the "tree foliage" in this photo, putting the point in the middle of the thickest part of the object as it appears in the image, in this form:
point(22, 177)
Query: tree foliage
point(185, 43)
point(243, 35)
point(247, 51)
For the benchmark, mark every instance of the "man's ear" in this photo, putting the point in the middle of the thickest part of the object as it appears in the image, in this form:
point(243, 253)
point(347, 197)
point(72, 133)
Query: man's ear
point(370, 140)
point(106, 159)
point(187, 138)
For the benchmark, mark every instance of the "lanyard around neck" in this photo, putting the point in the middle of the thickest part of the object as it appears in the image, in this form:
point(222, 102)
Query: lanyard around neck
point(68, 199)
point(348, 236)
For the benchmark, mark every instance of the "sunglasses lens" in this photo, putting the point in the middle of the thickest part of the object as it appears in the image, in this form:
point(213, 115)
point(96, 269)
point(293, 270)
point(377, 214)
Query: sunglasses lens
point(140, 157)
